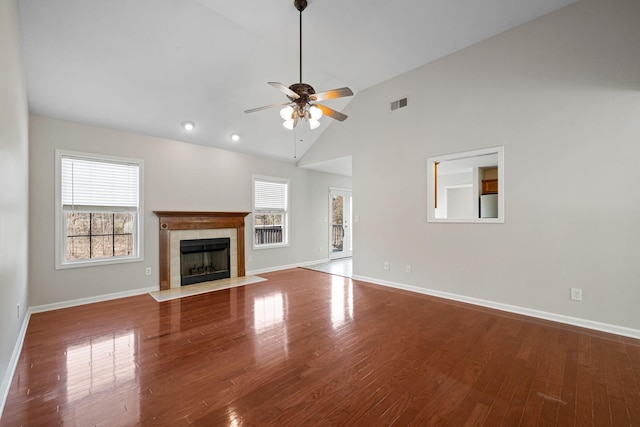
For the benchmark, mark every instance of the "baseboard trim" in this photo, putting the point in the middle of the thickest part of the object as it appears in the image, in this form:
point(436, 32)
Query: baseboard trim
point(286, 267)
point(583, 323)
point(90, 300)
point(13, 362)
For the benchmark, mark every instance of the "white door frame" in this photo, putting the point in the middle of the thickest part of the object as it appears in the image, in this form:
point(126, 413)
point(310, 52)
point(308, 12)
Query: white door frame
point(347, 242)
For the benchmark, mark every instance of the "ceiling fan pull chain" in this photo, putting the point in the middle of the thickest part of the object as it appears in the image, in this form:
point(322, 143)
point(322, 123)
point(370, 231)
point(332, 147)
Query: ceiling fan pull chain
point(295, 146)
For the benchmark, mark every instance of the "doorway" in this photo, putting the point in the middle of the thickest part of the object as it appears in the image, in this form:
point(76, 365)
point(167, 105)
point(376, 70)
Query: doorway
point(340, 234)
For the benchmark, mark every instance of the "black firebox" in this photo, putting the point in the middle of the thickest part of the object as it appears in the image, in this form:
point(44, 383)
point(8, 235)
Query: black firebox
point(204, 260)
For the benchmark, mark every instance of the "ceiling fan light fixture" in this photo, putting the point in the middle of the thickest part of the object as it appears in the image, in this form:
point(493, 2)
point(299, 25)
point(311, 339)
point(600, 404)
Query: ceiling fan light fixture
point(287, 113)
point(315, 113)
point(289, 124)
point(313, 123)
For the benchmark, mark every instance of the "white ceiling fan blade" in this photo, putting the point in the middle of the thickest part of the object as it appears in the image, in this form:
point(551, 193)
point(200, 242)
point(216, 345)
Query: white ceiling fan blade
point(337, 115)
point(331, 94)
point(282, 88)
point(266, 107)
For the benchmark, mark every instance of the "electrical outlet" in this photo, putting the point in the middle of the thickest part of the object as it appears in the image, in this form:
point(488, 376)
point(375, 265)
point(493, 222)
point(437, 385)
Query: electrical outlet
point(356, 218)
point(576, 294)
point(320, 249)
point(407, 269)
point(386, 265)
point(147, 271)
point(250, 258)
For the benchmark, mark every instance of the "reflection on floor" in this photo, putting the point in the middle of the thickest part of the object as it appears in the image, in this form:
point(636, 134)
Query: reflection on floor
point(200, 288)
point(339, 267)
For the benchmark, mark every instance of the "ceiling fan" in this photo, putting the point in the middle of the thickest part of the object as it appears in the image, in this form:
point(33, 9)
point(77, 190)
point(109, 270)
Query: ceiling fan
point(303, 98)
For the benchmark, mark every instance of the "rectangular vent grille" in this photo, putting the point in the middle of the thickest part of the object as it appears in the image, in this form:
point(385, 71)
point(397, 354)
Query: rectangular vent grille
point(400, 103)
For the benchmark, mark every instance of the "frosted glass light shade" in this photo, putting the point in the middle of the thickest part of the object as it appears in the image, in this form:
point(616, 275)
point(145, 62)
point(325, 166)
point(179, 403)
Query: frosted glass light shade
point(313, 123)
point(286, 112)
point(315, 113)
point(288, 123)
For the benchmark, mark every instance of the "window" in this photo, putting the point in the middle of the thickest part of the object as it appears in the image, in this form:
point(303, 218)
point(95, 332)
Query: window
point(98, 207)
point(270, 210)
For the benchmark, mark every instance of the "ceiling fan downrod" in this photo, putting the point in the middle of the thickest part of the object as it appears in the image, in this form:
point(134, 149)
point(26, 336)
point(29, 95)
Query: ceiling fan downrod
point(300, 5)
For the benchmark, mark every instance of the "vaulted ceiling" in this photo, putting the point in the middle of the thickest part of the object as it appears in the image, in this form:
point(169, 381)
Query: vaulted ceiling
point(146, 66)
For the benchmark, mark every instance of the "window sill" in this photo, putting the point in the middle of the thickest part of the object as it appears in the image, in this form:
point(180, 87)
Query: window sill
point(273, 246)
point(97, 262)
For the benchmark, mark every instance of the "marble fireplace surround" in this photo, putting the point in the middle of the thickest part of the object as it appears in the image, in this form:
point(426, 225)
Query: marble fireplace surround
point(176, 225)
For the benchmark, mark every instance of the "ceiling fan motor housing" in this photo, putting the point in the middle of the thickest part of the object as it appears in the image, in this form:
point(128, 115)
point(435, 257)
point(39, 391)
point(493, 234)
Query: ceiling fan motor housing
point(304, 92)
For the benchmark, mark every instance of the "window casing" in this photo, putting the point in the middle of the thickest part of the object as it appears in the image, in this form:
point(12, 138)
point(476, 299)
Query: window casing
point(270, 212)
point(98, 209)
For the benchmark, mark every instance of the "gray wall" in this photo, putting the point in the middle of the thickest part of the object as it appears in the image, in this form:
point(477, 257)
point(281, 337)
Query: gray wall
point(14, 181)
point(177, 176)
point(562, 95)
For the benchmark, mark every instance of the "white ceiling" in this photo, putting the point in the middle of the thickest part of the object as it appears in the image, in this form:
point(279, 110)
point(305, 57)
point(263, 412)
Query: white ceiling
point(146, 66)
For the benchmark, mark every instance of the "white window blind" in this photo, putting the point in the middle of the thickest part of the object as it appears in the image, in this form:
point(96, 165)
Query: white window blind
point(90, 184)
point(270, 196)
point(99, 203)
point(270, 219)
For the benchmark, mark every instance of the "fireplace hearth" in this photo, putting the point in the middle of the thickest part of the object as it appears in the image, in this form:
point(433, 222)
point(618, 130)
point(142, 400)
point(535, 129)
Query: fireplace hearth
point(204, 260)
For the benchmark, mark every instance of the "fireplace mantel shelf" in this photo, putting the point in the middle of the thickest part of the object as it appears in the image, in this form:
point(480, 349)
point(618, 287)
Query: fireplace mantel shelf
point(180, 220)
point(176, 220)
point(208, 214)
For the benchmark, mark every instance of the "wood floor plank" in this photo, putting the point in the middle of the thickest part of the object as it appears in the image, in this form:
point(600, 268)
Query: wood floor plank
point(308, 348)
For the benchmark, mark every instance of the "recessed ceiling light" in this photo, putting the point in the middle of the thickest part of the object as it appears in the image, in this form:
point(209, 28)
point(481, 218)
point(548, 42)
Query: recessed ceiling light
point(188, 126)
point(235, 137)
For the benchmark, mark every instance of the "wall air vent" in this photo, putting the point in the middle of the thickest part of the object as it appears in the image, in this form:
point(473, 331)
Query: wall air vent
point(400, 103)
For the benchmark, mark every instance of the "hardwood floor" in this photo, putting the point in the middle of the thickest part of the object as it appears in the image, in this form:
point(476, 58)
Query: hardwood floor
point(306, 348)
point(340, 267)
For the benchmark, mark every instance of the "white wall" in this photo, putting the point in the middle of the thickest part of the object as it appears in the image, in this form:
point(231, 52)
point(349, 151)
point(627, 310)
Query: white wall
point(562, 94)
point(14, 175)
point(178, 176)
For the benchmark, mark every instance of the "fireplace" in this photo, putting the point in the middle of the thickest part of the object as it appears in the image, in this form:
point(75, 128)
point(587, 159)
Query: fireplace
point(176, 226)
point(204, 260)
